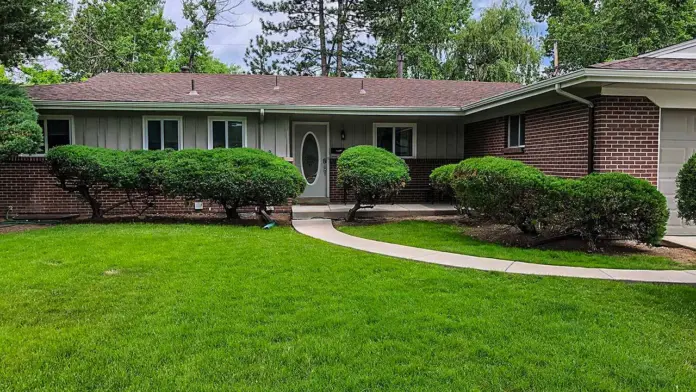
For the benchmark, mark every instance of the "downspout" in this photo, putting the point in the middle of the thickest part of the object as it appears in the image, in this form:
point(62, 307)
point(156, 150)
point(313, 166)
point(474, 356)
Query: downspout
point(262, 115)
point(590, 124)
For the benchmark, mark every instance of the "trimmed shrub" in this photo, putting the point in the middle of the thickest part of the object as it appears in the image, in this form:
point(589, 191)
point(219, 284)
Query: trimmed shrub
point(139, 178)
point(614, 205)
point(89, 171)
point(19, 131)
point(686, 190)
point(441, 179)
point(371, 173)
point(230, 177)
point(506, 191)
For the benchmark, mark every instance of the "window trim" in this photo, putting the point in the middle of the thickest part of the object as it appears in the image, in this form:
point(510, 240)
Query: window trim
point(397, 125)
point(519, 128)
point(226, 119)
point(44, 131)
point(180, 135)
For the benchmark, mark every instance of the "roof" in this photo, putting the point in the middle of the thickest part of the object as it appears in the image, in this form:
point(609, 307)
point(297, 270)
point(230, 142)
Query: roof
point(650, 64)
point(260, 90)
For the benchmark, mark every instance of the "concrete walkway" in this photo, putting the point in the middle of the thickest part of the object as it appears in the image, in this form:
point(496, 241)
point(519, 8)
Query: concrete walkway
point(339, 211)
point(323, 229)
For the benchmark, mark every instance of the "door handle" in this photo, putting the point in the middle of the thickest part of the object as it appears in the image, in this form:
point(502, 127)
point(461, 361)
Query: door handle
point(323, 163)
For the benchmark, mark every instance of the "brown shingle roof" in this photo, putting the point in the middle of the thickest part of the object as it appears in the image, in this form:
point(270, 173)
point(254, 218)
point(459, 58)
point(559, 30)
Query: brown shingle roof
point(650, 64)
point(259, 89)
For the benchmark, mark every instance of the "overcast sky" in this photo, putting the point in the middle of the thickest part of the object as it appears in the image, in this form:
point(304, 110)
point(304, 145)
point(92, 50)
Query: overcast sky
point(229, 44)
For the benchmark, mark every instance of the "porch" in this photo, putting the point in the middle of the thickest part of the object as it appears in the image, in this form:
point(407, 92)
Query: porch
point(338, 211)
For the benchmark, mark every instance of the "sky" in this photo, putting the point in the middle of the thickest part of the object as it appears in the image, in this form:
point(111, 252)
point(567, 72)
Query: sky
point(229, 44)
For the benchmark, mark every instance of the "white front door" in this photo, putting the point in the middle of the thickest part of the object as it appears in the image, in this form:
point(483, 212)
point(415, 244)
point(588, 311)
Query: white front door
point(677, 144)
point(312, 157)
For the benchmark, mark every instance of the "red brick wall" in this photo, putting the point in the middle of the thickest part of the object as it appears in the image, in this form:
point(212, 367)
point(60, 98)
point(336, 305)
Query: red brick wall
point(416, 191)
point(626, 138)
point(27, 186)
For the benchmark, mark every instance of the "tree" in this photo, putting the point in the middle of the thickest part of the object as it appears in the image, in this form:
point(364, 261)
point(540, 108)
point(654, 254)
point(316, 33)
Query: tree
point(19, 130)
point(318, 36)
point(205, 62)
point(116, 36)
point(36, 74)
point(498, 47)
point(203, 16)
point(259, 57)
point(27, 27)
point(417, 31)
point(594, 32)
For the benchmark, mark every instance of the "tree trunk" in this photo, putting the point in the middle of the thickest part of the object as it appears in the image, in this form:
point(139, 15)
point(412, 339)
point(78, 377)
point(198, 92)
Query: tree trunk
point(322, 39)
point(231, 211)
point(351, 213)
point(339, 38)
point(94, 204)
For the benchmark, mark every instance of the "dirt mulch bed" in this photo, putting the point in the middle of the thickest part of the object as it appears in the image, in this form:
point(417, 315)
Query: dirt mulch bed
point(20, 228)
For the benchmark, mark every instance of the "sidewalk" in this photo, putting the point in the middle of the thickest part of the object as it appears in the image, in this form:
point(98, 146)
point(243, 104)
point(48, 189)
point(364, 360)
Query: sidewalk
point(323, 229)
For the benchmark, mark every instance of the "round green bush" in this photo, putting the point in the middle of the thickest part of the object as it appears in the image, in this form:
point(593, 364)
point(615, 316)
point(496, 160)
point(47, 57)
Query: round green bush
point(686, 190)
point(230, 177)
point(441, 179)
point(19, 131)
point(506, 191)
point(615, 205)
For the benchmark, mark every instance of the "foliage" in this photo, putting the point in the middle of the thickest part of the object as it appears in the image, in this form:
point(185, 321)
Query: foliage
point(422, 31)
point(590, 32)
point(116, 36)
point(259, 57)
point(615, 205)
point(89, 171)
point(498, 47)
point(231, 177)
point(371, 173)
point(686, 190)
point(27, 28)
point(506, 191)
point(203, 16)
point(19, 131)
point(37, 74)
point(441, 179)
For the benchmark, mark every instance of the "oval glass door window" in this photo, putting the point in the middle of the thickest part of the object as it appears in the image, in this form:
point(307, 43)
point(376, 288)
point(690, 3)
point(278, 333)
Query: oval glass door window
point(310, 158)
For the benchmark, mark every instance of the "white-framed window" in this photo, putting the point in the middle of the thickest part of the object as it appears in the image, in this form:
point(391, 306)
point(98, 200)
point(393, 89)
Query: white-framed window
point(397, 138)
point(227, 132)
point(57, 131)
point(515, 131)
point(161, 133)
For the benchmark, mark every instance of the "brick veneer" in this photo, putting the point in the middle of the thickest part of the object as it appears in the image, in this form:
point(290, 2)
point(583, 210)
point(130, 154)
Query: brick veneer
point(626, 138)
point(27, 186)
point(416, 191)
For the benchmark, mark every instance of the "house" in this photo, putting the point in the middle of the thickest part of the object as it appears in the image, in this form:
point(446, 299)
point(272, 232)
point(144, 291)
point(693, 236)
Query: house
point(636, 115)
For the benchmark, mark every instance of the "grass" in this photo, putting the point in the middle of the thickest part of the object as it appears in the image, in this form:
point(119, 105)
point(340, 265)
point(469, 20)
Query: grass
point(209, 308)
point(452, 238)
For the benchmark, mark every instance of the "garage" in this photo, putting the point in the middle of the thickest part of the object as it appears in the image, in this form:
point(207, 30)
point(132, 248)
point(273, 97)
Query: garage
point(677, 144)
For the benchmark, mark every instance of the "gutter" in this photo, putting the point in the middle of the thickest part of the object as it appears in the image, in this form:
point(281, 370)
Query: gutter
point(590, 124)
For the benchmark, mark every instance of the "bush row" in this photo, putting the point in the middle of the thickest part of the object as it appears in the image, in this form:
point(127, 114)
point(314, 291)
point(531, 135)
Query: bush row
point(598, 206)
point(230, 177)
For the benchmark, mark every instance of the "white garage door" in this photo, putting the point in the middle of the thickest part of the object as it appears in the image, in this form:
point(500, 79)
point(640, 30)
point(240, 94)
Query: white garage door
point(677, 144)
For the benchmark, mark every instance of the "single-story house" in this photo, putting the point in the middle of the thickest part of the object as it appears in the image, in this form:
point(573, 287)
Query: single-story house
point(636, 115)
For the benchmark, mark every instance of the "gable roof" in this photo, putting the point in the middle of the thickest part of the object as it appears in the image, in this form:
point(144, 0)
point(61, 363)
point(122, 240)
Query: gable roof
point(260, 90)
point(650, 64)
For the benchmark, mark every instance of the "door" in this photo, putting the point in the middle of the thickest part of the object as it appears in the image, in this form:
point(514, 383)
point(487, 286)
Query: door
point(312, 157)
point(677, 144)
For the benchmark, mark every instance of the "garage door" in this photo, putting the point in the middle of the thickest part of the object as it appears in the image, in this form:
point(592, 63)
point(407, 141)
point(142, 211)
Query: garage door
point(677, 144)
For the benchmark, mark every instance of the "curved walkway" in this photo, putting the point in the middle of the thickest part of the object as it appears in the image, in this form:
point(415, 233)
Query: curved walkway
point(323, 229)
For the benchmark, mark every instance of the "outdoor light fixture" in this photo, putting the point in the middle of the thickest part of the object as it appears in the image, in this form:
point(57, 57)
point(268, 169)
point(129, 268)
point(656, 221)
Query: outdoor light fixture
point(343, 134)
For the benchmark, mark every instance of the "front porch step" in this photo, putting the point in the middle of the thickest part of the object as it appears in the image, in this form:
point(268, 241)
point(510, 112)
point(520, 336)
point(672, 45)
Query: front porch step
point(339, 211)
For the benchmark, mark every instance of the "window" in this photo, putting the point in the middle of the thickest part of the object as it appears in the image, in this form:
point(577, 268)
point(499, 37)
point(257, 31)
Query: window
point(226, 132)
point(57, 131)
point(162, 133)
point(515, 131)
point(397, 138)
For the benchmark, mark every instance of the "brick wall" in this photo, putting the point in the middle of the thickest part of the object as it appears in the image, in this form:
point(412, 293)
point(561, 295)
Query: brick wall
point(27, 186)
point(626, 138)
point(416, 191)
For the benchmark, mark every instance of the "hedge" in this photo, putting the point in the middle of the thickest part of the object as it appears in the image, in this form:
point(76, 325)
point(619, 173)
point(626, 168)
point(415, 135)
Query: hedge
point(686, 190)
point(596, 207)
point(371, 173)
point(441, 179)
point(19, 131)
point(230, 177)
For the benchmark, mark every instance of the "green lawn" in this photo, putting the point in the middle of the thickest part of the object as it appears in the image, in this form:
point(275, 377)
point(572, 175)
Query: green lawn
point(452, 238)
point(189, 307)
